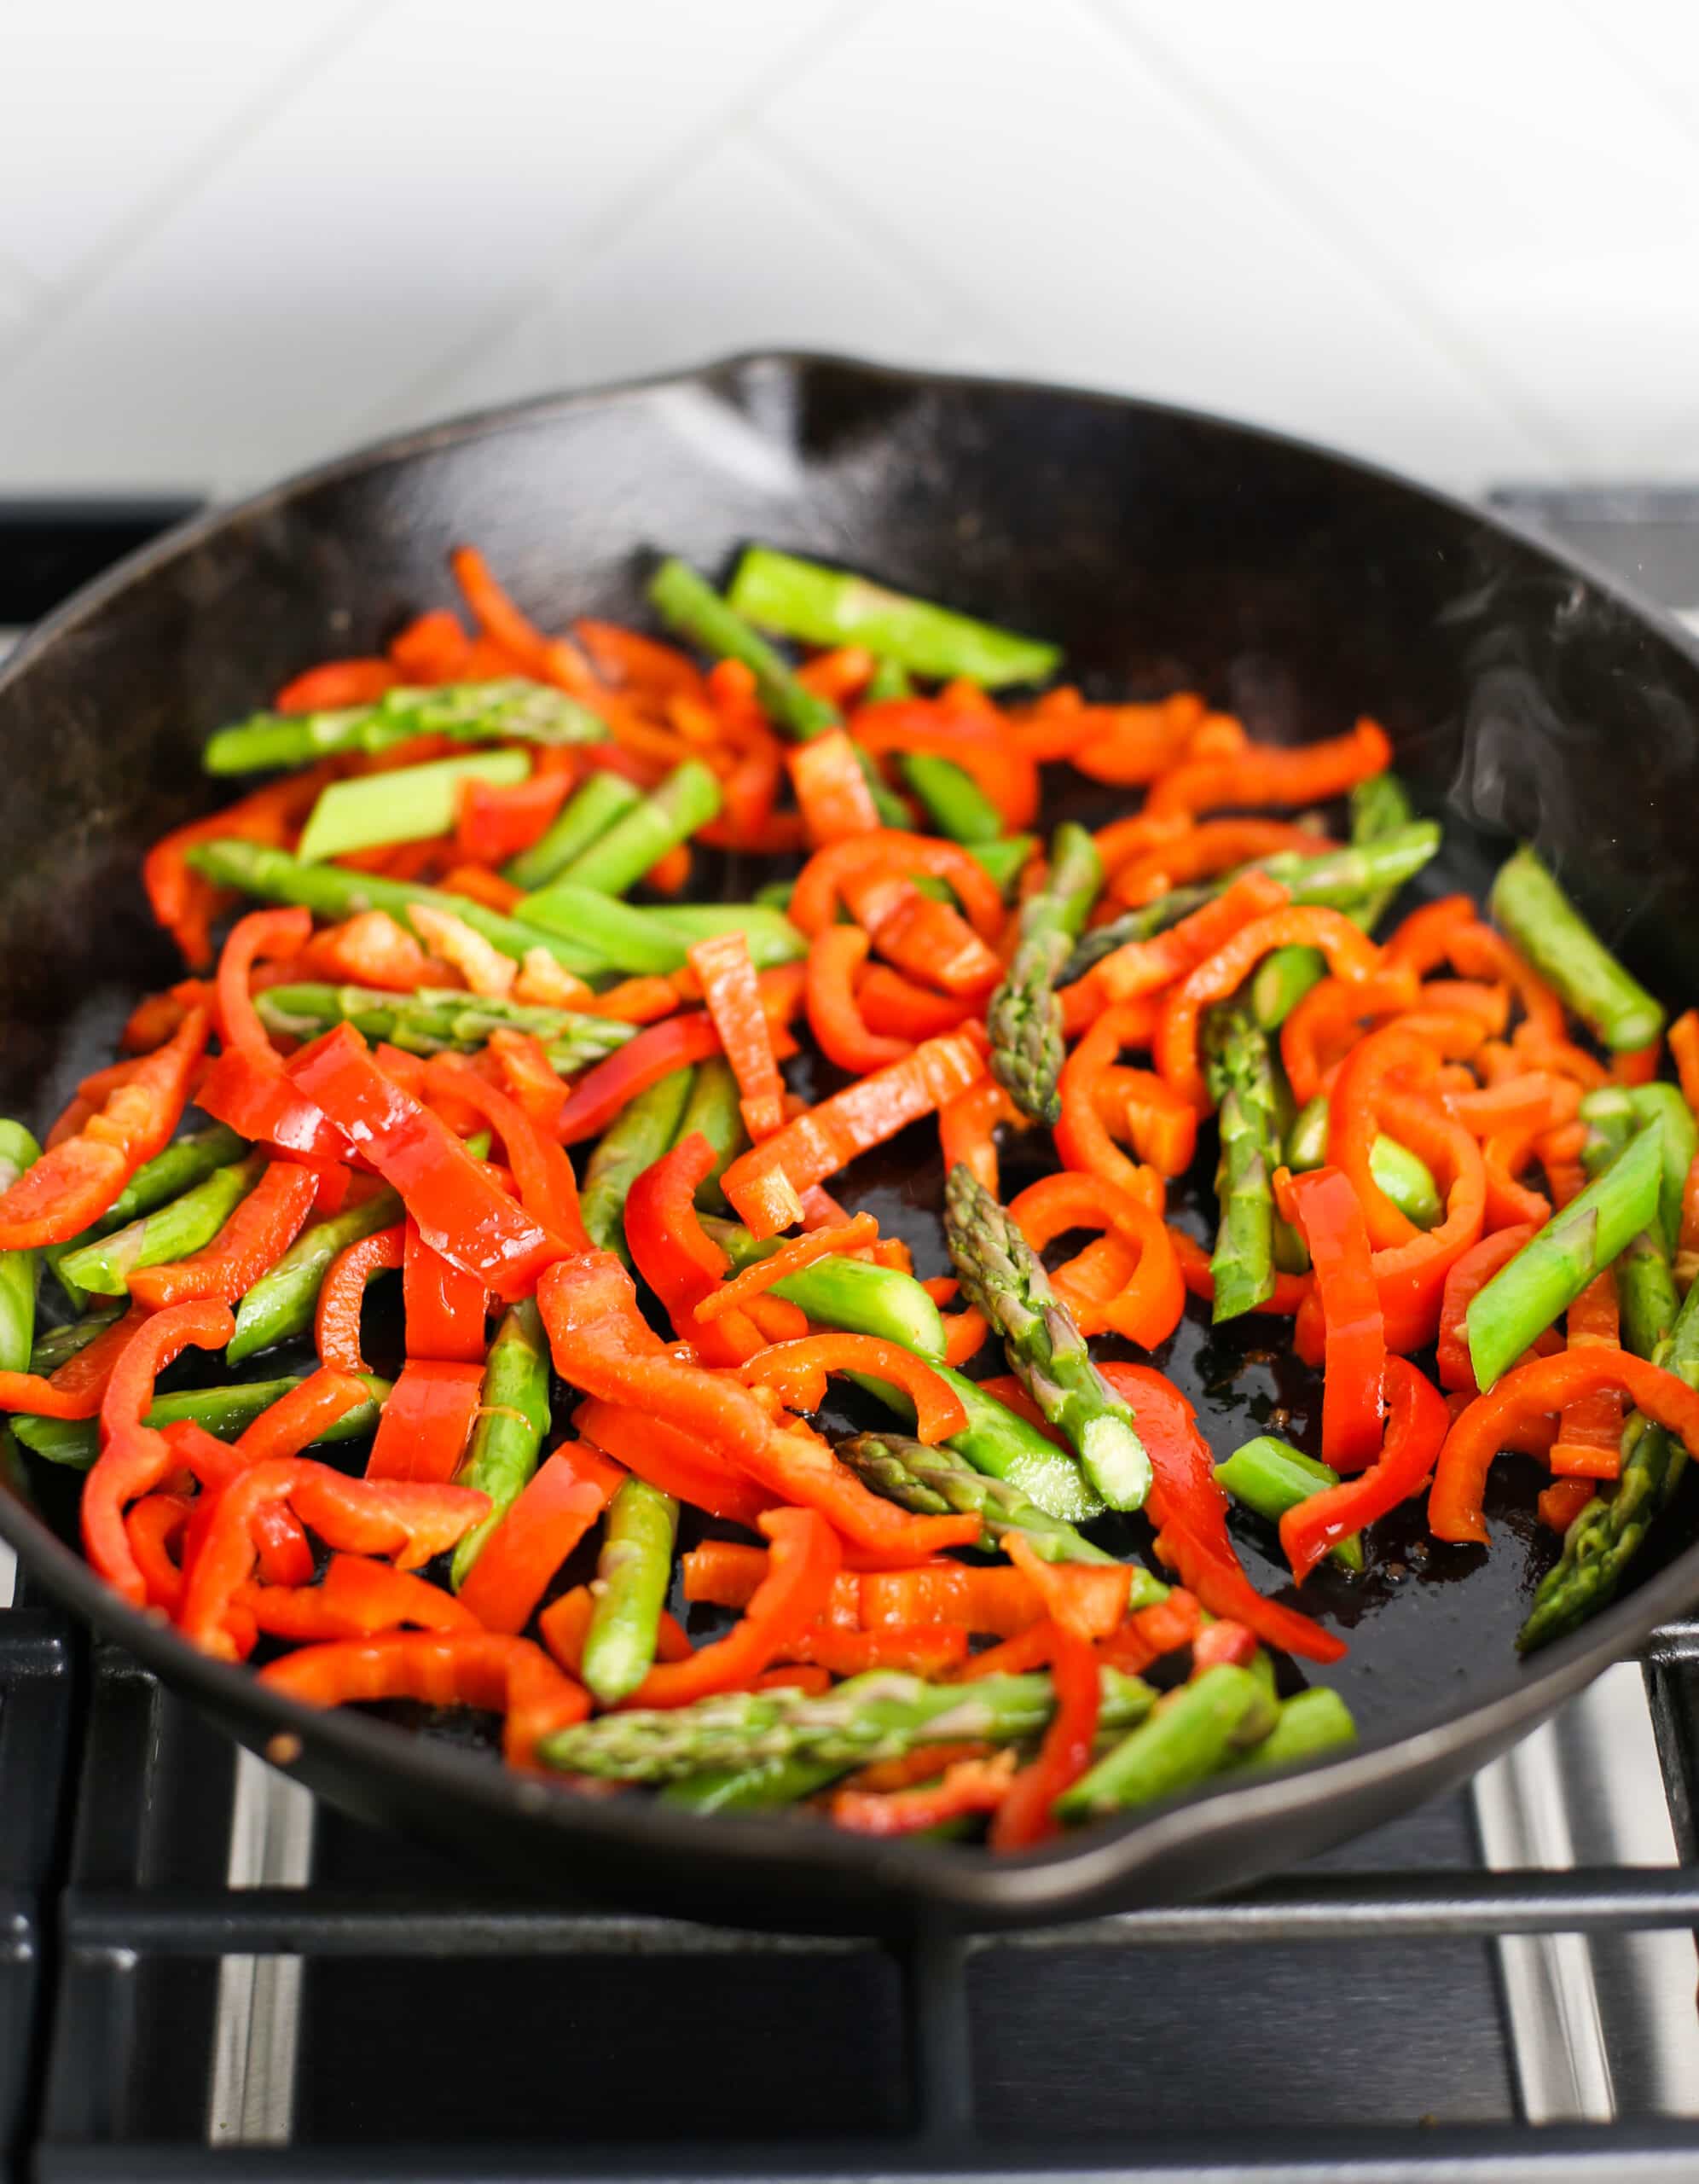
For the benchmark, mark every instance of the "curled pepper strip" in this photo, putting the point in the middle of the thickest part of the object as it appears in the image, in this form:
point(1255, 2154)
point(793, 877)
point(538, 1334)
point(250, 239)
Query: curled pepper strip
point(547, 1188)
point(1147, 1306)
point(1206, 851)
point(1264, 773)
point(426, 1417)
point(1143, 966)
point(798, 1371)
point(260, 934)
point(1082, 1138)
point(836, 955)
point(497, 1674)
point(677, 1462)
point(721, 963)
point(1325, 1207)
point(1292, 1290)
point(1027, 1814)
point(1525, 1393)
point(1417, 1424)
point(1353, 1128)
point(679, 1259)
point(1350, 956)
point(75, 1181)
point(357, 1598)
point(819, 885)
point(980, 1784)
point(336, 1327)
point(656, 1052)
point(1410, 1277)
point(76, 1388)
point(1470, 1274)
point(254, 1238)
point(968, 1127)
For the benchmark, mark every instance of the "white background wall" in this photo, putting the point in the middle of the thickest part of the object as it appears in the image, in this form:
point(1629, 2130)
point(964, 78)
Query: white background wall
point(235, 236)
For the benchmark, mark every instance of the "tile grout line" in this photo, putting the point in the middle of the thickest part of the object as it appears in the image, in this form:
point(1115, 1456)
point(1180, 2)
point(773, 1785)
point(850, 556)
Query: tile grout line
point(60, 303)
point(505, 320)
point(1266, 165)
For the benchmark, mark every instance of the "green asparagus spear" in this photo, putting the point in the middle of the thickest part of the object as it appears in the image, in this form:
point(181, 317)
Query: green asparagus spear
point(713, 1111)
point(411, 803)
point(438, 1018)
point(1004, 859)
point(1004, 1278)
point(331, 892)
point(1405, 1177)
point(1281, 982)
point(1242, 1082)
point(627, 937)
point(1271, 1476)
point(636, 1138)
point(1646, 1294)
point(584, 818)
point(58, 1345)
point(20, 1272)
point(1550, 932)
point(1379, 806)
point(169, 1232)
point(889, 679)
point(939, 1483)
point(1310, 1722)
point(829, 606)
point(632, 1577)
point(513, 1421)
point(511, 712)
point(1025, 1017)
point(1191, 1735)
point(1002, 1445)
point(1663, 1103)
point(853, 1294)
point(182, 1164)
point(282, 1302)
point(1337, 879)
point(75, 1442)
point(1551, 1269)
point(670, 814)
point(771, 937)
point(881, 1715)
point(764, 1787)
point(1610, 1531)
point(951, 797)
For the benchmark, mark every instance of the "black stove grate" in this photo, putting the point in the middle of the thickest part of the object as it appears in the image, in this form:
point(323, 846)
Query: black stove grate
point(202, 1974)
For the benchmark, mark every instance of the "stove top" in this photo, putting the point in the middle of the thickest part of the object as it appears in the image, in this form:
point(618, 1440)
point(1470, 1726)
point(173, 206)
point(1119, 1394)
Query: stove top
point(203, 1972)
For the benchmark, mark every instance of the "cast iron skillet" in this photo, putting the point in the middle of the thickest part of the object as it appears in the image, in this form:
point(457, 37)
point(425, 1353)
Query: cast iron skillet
point(1524, 695)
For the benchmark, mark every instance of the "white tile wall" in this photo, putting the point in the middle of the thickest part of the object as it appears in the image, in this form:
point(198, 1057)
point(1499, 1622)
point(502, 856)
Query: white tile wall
point(1463, 237)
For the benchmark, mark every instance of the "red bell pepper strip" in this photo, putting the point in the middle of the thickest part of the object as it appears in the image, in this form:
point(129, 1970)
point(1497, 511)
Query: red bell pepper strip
point(284, 1556)
point(1222, 1645)
point(392, 1518)
point(602, 1344)
point(445, 1307)
point(965, 1787)
point(1191, 1513)
point(260, 934)
point(77, 1180)
point(496, 821)
point(678, 1258)
point(1352, 1127)
point(183, 900)
point(547, 1189)
point(927, 1649)
point(254, 1238)
point(1263, 774)
point(357, 1598)
point(1149, 1633)
point(564, 1624)
point(134, 1458)
point(1027, 1814)
point(995, 1603)
point(600, 1093)
point(559, 1503)
point(151, 1525)
point(836, 955)
point(832, 790)
point(263, 1106)
point(76, 1389)
point(527, 1077)
point(798, 1371)
point(765, 1183)
point(1590, 1429)
point(1417, 1425)
point(893, 1007)
point(673, 1460)
point(1326, 1209)
point(722, 964)
point(484, 1668)
point(1560, 1504)
point(1410, 1277)
point(301, 1416)
point(460, 1212)
point(336, 1328)
point(819, 885)
point(426, 1417)
point(804, 1561)
point(1546, 1384)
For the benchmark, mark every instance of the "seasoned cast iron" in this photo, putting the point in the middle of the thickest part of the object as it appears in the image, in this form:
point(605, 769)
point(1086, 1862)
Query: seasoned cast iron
point(1163, 550)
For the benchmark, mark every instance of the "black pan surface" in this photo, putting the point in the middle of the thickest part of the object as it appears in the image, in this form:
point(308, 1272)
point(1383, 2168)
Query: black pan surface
point(1524, 694)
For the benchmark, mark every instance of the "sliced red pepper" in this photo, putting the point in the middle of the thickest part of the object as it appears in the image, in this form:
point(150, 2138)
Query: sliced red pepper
point(547, 1189)
point(1191, 1510)
point(798, 1371)
point(847, 1239)
point(260, 934)
point(1469, 1275)
point(993, 1603)
point(1417, 1425)
point(263, 1105)
point(1590, 1429)
point(1326, 1209)
point(722, 964)
point(832, 789)
point(445, 1307)
point(801, 1564)
point(183, 901)
point(151, 1525)
point(496, 821)
point(601, 1094)
point(1263, 774)
point(76, 1388)
point(1027, 1816)
point(1150, 1633)
point(562, 1499)
point(497, 1675)
point(1149, 1300)
point(426, 1417)
point(254, 1238)
point(356, 1598)
point(819, 885)
point(336, 1327)
point(602, 1345)
point(765, 1183)
point(460, 1212)
point(893, 1007)
point(836, 955)
point(1560, 1503)
point(678, 1258)
point(673, 1460)
point(925, 1649)
point(1524, 1394)
point(966, 1786)
point(75, 1181)
point(1352, 1127)
point(1410, 1277)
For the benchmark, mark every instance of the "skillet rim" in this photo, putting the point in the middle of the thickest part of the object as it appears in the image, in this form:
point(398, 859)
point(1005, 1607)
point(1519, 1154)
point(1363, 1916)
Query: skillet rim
point(1074, 1876)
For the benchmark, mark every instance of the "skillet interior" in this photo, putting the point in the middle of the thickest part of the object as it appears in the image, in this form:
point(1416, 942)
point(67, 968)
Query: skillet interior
point(1162, 550)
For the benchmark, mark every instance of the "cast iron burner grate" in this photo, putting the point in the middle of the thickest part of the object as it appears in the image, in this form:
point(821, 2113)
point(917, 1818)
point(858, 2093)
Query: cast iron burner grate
point(204, 1974)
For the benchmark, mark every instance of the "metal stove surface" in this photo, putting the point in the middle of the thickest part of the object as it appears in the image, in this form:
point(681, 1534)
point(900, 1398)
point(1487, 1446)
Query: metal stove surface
point(204, 1973)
